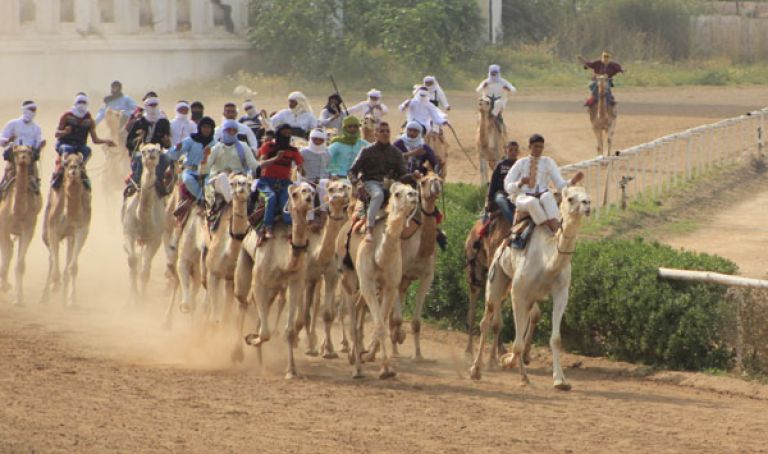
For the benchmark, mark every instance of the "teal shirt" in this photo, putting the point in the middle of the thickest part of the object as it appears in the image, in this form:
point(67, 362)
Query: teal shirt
point(343, 155)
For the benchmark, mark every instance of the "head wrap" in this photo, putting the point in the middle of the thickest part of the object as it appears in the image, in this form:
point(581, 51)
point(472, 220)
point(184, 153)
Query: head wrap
point(346, 137)
point(248, 105)
point(374, 93)
point(317, 134)
point(606, 54)
point(302, 105)
point(152, 109)
point(28, 111)
point(180, 105)
point(80, 108)
point(226, 137)
point(412, 144)
point(198, 136)
point(497, 70)
point(421, 94)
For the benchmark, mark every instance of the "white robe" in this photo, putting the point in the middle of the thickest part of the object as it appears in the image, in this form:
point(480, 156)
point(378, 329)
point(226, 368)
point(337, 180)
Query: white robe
point(496, 89)
point(424, 113)
point(364, 108)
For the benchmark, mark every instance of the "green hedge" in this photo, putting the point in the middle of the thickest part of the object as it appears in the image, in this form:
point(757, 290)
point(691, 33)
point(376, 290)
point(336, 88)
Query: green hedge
point(617, 307)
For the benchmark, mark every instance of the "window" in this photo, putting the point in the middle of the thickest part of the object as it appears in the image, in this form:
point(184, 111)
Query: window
point(67, 11)
point(107, 11)
point(27, 11)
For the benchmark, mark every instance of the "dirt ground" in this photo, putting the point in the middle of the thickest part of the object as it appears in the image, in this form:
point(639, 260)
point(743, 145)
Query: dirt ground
point(104, 376)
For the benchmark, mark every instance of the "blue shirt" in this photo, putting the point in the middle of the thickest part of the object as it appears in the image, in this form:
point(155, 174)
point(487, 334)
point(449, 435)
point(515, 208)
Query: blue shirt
point(124, 104)
point(343, 155)
point(191, 150)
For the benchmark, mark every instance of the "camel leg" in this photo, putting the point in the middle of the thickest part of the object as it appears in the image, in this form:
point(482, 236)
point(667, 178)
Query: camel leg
point(304, 320)
point(316, 305)
point(520, 307)
point(150, 249)
point(379, 314)
point(241, 289)
point(213, 298)
point(599, 136)
point(76, 243)
point(395, 314)
point(495, 290)
point(281, 299)
point(129, 245)
point(21, 265)
point(425, 283)
point(341, 307)
point(493, 362)
point(559, 303)
point(329, 292)
point(534, 315)
point(483, 172)
point(263, 297)
point(295, 292)
point(474, 293)
point(6, 247)
point(354, 307)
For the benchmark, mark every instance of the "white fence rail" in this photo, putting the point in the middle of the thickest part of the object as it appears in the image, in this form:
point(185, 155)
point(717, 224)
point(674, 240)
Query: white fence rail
point(659, 165)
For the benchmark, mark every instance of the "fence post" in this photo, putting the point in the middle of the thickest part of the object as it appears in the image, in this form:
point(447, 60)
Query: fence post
point(688, 145)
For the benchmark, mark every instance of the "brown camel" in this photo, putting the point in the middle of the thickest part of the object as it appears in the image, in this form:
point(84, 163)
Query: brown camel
point(436, 141)
point(19, 208)
point(67, 216)
point(603, 117)
point(491, 138)
point(322, 269)
point(263, 271)
point(369, 127)
point(375, 268)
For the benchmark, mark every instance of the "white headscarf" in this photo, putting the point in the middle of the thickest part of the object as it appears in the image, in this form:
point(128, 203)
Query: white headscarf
point(80, 110)
point(28, 112)
point(152, 113)
point(421, 94)
point(412, 144)
point(180, 105)
point(250, 108)
point(302, 104)
point(497, 77)
point(374, 93)
point(434, 86)
point(317, 134)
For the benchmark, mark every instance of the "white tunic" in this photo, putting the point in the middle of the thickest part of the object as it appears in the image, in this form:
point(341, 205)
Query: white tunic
point(437, 94)
point(547, 172)
point(23, 133)
point(361, 109)
point(304, 120)
point(424, 113)
point(498, 90)
point(181, 128)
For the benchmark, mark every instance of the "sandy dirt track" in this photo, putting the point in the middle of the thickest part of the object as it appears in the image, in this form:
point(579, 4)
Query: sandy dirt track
point(105, 378)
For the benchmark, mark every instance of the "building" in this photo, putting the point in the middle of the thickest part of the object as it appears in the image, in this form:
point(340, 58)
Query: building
point(65, 46)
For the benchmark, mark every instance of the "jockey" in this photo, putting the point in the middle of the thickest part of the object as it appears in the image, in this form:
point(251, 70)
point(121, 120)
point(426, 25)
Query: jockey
point(116, 101)
point(415, 151)
point(376, 162)
point(298, 115)
point(181, 126)
point(197, 110)
point(423, 112)
point(316, 157)
point(496, 88)
point(602, 67)
point(138, 113)
point(254, 120)
point(22, 131)
point(151, 127)
point(74, 128)
point(345, 147)
point(372, 106)
point(436, 93)
point(276, 158)
point(332, 116)
point(193, 150)
point(244, 133)
point(498, 198)
point(528, 182)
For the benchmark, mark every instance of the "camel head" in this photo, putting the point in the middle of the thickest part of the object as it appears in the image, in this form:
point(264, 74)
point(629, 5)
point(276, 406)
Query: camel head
point(403, 199)
point(338, 198)
point(241, 186)
point(73, 167)
point(602, 80)
point(576, 203)
point(113, 118)
point(22, 155)
point(369, 122)
point(430, 186)
point(150, 155)
point(484, 105)
point(301, 197)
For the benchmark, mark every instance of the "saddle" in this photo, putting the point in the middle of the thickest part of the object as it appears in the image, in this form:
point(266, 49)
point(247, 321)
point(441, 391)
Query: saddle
point(521, 231)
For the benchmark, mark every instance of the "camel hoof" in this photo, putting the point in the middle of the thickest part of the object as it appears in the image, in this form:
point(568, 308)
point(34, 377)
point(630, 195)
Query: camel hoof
point(474, 372)
point(417, 358)
point(344, 347)
point(186, 308)
point(563, 386)
point(238, 355)
point(330, 355)
point(386, 374)
point(312, 352)
point(368, 357)
point(508, 361)
point(527, 359)
point(291, 375)
point(524, 381)
point(358, 375)
point(254, 340)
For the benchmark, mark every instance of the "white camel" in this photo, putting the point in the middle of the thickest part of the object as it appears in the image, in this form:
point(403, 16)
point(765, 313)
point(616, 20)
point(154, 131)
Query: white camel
point(67, 216)
point(143, 217)
point(531, 275)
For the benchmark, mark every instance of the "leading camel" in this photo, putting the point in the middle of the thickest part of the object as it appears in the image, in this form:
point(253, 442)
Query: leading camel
point(603, 116)
point(67, 216)
point(491, 137)
point(19, 208)
point(531, 275)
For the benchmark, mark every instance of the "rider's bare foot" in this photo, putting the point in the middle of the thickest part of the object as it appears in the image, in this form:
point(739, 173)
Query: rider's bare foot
point(369, 236)
point(268, 233)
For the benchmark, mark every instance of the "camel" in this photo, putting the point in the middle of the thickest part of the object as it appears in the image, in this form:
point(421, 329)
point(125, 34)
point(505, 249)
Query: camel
point(67, 216)
point(478, 253)
point(117, 162)
point(369, 128)
point(490, 139)
point(186, 272)
point(603, 117)
point(375, 269)
point(263, 271)
point(531, 275)
point(322, 269)
point(436, 141)
point(222, 248)
point(143, 218)
point(19, 208)
point(419, 255)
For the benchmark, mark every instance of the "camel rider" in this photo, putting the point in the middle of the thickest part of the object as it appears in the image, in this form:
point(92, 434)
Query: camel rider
point(345, 147)
point(192, 149)
point(254, 120)
point(197, 111)
point(228, 155)
point(298, 115)
point(72, 137)
point(416, 152)
point(602, 67)
point(151, 127)
point(332, 115)
point(496, 88)
point(371, 107)
point(423, 112)
point(498, 198)
point(527, 182)
point(315, 169)
point(244, 133)
point(181, 126)
point(436, 94)
point(276, 159)
point(375, 163)
point(116, 101)
point(22, 131)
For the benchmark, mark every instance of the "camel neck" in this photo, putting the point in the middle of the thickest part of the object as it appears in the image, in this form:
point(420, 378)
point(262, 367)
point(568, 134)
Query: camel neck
point(147, 194)
point(428, 237)
point(21, 195)
point(565, 239)
point(299, 238)
point(390, 245)
point(333, 224)
point(73, 196)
